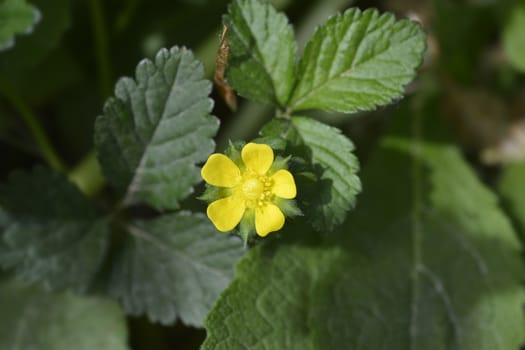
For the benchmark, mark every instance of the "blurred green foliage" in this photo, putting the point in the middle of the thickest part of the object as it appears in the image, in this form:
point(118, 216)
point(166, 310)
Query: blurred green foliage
point(54, 81)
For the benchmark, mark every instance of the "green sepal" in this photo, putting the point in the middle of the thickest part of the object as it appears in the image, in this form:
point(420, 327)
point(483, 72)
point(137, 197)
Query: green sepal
point(279, 130)
point(288, 207)
point(247, 227)
point(276, 143)
point(280, 163)
point(212, 193)
point(271, 134)
point(234, 153)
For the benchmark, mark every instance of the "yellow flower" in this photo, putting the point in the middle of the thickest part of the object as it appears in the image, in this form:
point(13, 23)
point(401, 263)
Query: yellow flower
point(255, 187)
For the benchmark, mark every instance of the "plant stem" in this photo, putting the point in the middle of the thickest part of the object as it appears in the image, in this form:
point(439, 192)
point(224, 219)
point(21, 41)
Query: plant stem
point(87, 175)
point(101, 47)
point(45, 147)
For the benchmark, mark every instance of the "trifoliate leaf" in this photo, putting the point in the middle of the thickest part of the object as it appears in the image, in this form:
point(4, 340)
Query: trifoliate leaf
point(426, 261)
point(50, 232)
point(174, 267)
point(31, 49)
point(156, 129)
point(358, 61)
point(335, 192)
point(32, 318)
point(262, 52)
point(514, 38)
point(16, 17)
point(512, 188)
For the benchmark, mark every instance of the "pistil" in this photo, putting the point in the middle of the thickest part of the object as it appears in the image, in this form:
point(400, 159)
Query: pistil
point(256, 190)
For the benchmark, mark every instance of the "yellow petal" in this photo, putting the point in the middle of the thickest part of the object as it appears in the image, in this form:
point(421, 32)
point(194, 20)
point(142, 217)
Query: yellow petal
point(268, 218)
point(257, 157)
point(221, 171)
point(226, 213)
point(284, 184)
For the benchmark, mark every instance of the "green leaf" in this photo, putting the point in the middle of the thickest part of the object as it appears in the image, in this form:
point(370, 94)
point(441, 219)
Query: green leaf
point(156, 129)
point(31, 49)
point(442, 260)
point(358, 61)
point(513, 37)
point(174, 267)
point(426, 261)
point(50, 232)
point(32, 318)
point(512, 188)
point(16, 17)
point(335, 193)
point(270, 304)
point(262, 52)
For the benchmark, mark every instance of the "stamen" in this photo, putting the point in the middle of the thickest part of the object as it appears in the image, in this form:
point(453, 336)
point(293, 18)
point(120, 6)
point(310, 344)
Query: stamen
point(256, 189)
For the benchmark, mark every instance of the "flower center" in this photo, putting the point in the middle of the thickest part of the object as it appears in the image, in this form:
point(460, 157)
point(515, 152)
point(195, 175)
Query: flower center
point(256, 190)
point(252, 188)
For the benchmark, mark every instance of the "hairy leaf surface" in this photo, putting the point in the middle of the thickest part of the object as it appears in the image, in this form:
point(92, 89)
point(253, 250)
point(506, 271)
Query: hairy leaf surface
point(336, 193)
point(358, 61)
point(32, 318)
point(426, 261)
point(156, 129)
point(174, 267)
point(16, 17)
point(49, 231)
point(262, 52)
